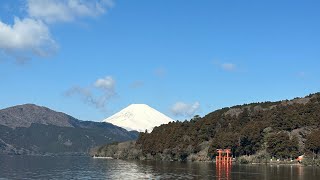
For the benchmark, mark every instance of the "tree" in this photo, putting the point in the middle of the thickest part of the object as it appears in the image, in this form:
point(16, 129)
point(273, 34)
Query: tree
point(313, 142)
point(195, 118)
point(225, 140)
point(244, 117)
point(281, 146)
point(294, 147)
point(251, 138)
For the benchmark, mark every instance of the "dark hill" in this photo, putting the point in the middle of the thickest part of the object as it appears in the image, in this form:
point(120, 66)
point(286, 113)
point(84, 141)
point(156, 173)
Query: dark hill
point(31, 129)
point(25, 115)
point(269, 129)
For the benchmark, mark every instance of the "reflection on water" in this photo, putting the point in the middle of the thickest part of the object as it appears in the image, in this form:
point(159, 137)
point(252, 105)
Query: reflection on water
point(39, 167)
point(223, 171)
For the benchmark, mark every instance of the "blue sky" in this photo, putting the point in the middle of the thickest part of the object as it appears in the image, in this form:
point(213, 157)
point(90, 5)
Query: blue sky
point(180, 57)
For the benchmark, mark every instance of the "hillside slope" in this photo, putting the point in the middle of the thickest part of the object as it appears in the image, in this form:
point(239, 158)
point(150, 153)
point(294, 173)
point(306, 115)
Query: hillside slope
point(31, 129)
point(25, 115)
point(275, 129)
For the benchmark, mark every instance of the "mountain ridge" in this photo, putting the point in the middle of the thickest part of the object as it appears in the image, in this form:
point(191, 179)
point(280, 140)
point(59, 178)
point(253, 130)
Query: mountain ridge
point(32, 129)
point(26, 114)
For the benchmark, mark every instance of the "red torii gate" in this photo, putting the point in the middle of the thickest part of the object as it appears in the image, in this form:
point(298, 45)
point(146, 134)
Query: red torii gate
point(223, 156)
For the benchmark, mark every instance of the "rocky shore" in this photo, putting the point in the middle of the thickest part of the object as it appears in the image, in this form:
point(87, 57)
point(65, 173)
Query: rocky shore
point(131, 151)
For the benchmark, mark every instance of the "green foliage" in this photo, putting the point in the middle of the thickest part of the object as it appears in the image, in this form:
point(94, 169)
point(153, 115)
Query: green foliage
point(240, 128)
point(40, 138)
point(310, 161)
point(293, 116)
point(313, 142)
point(243, 160)
point(281, 146)
point(251, 138)
point(224, 140)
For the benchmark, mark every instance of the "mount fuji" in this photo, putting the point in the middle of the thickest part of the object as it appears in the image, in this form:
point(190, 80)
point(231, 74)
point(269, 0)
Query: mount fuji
point(138, 117)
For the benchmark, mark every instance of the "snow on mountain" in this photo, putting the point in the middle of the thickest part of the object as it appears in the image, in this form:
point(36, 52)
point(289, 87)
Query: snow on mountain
point(138, 117)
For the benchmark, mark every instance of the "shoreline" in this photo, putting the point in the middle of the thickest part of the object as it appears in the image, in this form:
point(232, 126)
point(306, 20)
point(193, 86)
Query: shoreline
point(213, 162)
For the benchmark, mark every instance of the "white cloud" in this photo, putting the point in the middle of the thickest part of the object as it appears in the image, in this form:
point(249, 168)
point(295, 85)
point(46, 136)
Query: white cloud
point(90, 96)
point(228, 66)
point(31, 35)
point(26, 36)
point(66, 10)
point(107, 83)
point(185, 109)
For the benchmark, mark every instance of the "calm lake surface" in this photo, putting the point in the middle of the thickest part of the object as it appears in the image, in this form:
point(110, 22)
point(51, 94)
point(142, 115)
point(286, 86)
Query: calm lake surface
point(41, 167)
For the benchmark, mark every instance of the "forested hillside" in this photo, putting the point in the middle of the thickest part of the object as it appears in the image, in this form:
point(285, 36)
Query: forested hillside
point(32, 129)
point(276, 126)
point(283, 129)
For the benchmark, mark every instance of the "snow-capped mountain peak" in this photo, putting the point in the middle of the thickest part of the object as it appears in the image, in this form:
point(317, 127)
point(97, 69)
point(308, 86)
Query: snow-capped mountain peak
point(139, 117)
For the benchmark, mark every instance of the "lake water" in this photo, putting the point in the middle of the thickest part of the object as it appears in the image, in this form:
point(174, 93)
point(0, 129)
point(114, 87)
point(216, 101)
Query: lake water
point(40, 167)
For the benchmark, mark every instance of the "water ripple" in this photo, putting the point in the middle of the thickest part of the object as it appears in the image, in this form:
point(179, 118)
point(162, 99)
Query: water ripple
point(83, 168)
